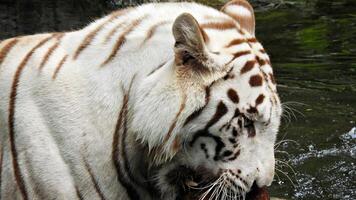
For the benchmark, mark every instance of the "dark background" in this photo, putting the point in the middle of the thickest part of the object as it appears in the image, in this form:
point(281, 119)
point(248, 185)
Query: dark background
point(18, 17)
point(23, 17)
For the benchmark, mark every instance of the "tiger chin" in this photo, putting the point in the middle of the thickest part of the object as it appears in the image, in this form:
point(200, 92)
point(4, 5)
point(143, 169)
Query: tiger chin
point(160, 101)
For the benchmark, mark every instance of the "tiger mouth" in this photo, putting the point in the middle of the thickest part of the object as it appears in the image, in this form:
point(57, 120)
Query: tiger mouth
point(194, 184)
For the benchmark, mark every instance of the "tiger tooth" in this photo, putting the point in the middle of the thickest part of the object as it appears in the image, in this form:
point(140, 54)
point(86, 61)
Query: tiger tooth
point(191, 183)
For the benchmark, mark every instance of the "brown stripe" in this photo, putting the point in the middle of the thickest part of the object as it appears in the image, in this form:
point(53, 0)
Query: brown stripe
point(80, 197)
point(235, 42)
point(122, 39)
point(119, 13)
point(239, 54)
point(260, 61)
point(173, 125)
point(262, 51)
point(1, 159)
point(6, 49)
point(229, 74)
point(241, 32)
point(196, 113)
point(272, 78)
point(123, 140)
point(176, 144)
point(59, 66)
point(219, 25)
point(268, 62)
point(256, 80)
point(260, 99)
point(118, 152)
point(18, 176)
point(242, 53)
point(117, 27)
point(245, 22)
point(50, 51)
point(89, 38)
point(252, 40)
point(113, 31)
point(93, 179)
point(205, 35)
point(152, 30)
point(248, 66)
point(236, 154)
point(232, 94)
point(157, 68)
point(221, 110)
point(128, 169)
point(115, 144)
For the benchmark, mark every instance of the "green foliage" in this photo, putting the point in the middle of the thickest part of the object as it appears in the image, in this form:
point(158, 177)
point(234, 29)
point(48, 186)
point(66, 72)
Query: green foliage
point(314, 37)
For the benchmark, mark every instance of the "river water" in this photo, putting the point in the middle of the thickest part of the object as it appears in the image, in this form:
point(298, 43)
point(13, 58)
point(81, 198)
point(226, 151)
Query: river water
point(312, 45)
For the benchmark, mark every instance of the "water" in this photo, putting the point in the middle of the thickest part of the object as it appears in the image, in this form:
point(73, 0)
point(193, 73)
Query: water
point(312, 45)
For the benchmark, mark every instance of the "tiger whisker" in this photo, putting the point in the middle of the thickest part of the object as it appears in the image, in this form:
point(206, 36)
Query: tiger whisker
point(286, 115)
point(224, 193)
point(279, 179)
point(281, 141)
point(286, 175)
point(288, 105)
point(217, 191)
point(212, 187)
point(221, 189)
point(201, 188)
point(281, 152)
point(284, 140)
point(207, 192)
point(289, 112)
point(294, 102)
point(239, 192)
point(297, 111)
point(287, 165)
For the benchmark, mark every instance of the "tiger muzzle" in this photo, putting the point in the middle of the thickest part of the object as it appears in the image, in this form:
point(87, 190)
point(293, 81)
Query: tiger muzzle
point(199, 184)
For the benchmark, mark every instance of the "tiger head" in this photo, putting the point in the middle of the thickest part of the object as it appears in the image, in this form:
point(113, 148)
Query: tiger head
point(215, 113)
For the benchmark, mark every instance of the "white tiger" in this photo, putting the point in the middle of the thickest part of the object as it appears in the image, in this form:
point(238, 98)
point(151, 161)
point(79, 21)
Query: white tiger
point(160, 101)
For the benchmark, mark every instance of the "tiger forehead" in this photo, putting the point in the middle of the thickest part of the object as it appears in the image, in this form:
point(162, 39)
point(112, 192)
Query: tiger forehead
point(233, 45)
point(233, 42)
point(224, 33)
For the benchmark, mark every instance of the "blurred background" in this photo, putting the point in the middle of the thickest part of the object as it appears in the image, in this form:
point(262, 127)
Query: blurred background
point(312, 45)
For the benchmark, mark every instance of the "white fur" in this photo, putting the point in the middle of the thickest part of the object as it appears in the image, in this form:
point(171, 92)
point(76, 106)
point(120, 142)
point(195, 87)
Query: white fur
point(241, 10)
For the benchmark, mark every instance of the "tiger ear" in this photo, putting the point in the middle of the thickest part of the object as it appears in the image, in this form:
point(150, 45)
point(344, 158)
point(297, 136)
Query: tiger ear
point(242, 12)
point(189, 39)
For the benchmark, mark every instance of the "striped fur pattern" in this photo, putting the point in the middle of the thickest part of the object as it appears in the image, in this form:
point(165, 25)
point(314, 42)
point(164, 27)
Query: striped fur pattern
point(116, 109)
